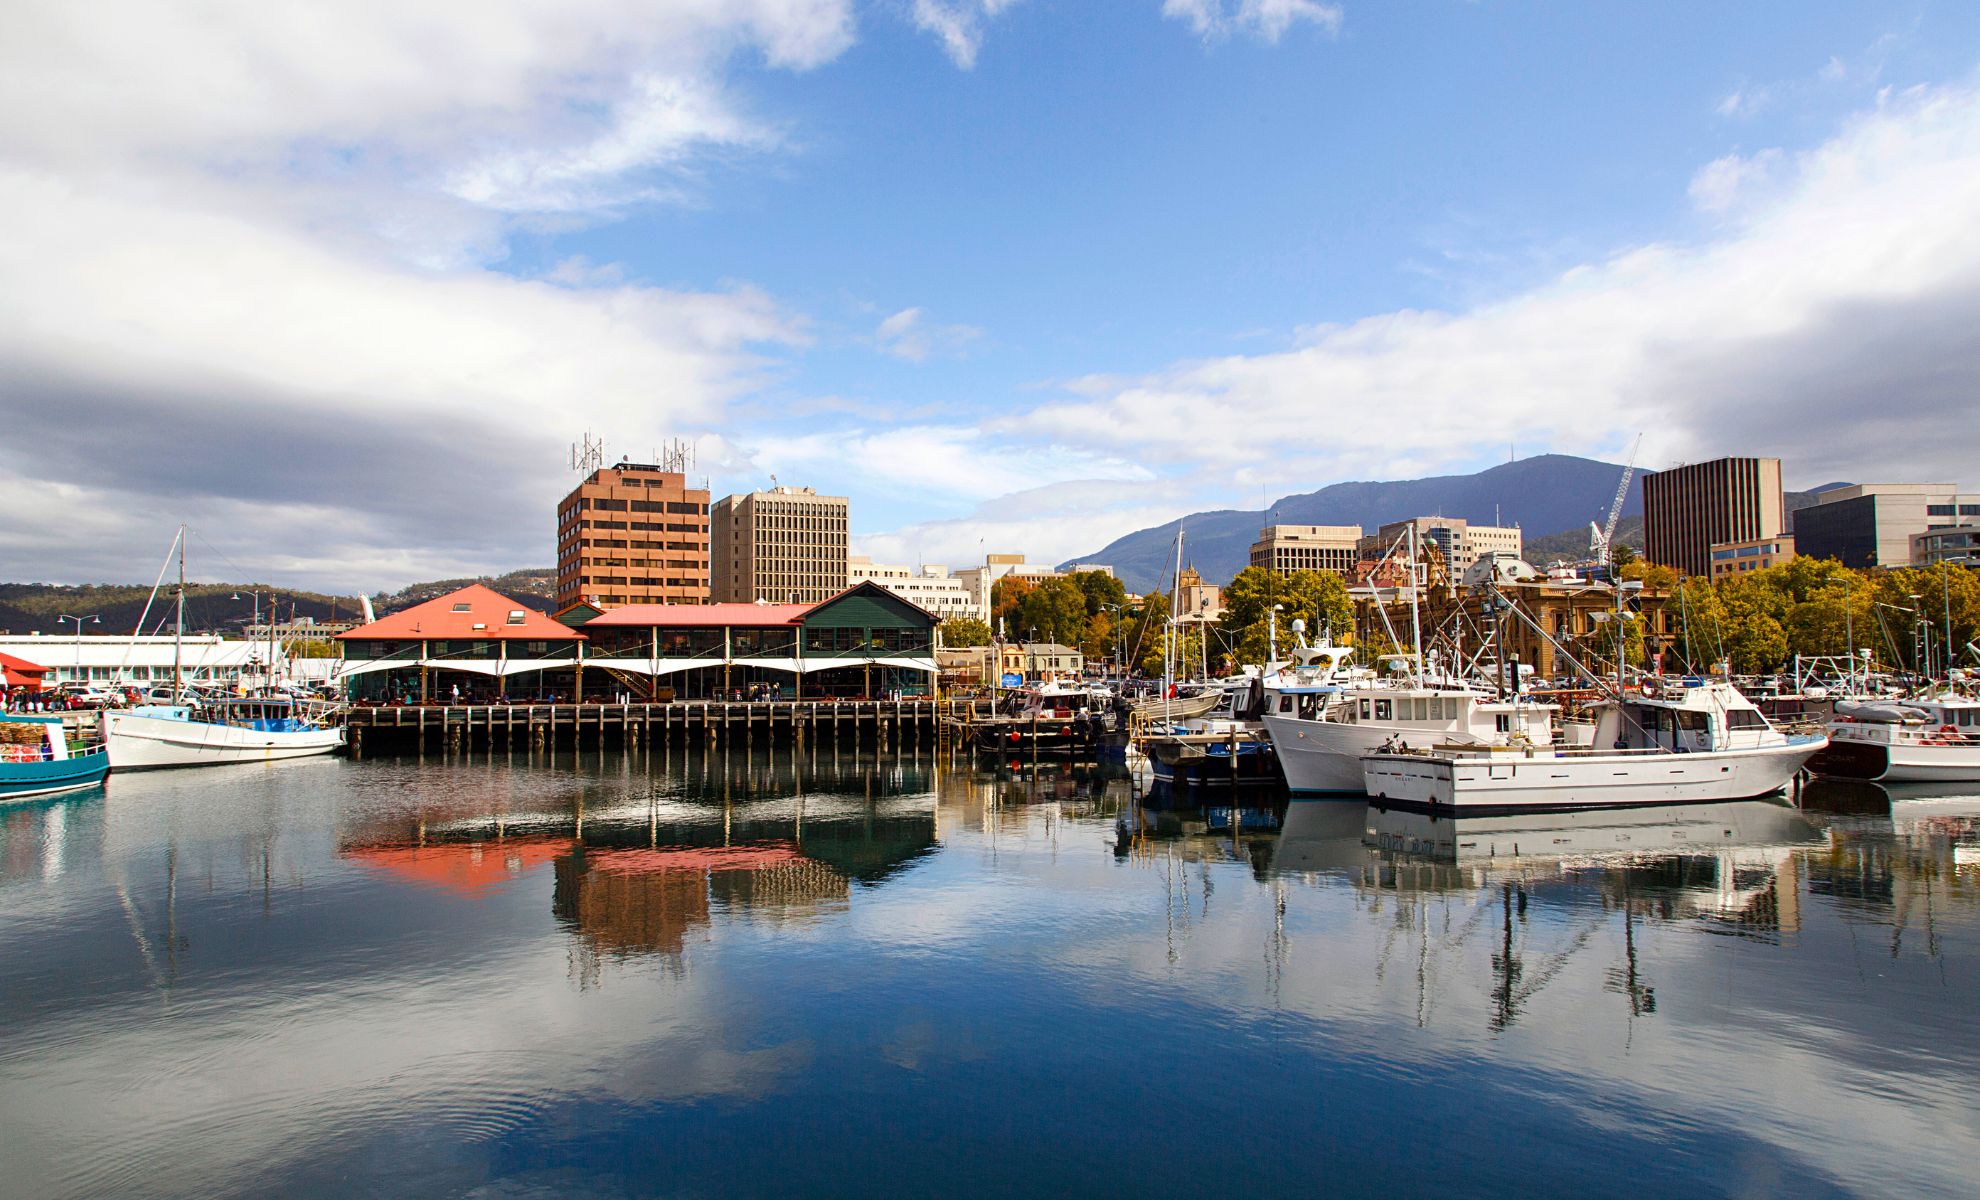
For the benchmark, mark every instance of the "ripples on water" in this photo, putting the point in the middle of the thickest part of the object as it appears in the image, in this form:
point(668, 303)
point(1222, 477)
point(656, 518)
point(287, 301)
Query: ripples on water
point(838, 974)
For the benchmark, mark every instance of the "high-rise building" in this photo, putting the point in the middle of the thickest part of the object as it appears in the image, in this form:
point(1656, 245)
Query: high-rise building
point(784, 546)
point(1871, 524)
point(1289, 548)
point(633, 534)
point(1459, 542)
point(1689, 509)
point(930, 587)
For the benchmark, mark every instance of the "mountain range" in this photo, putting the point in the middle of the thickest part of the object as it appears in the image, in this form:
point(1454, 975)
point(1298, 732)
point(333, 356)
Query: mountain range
point(1552, 497)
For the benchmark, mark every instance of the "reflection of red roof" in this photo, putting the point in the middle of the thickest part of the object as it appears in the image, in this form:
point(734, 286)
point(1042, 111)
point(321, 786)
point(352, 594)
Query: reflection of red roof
point(469, 868)
point(757, 857)
point(485, 607)
point(702, 615)
point(19, 672)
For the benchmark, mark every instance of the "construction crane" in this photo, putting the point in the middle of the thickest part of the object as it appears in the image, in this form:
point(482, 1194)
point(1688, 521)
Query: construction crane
point(1599, 538)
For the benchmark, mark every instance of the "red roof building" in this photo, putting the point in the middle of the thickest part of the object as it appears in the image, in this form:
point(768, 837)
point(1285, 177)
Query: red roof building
point(20, 673)
point(474, 613)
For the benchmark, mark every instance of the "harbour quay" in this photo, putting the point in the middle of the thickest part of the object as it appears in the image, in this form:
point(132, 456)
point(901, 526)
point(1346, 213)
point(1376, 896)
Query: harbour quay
point(912, 722)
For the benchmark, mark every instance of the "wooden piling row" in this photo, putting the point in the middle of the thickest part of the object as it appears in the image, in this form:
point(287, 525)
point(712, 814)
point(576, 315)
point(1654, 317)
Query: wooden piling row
point(888, 722)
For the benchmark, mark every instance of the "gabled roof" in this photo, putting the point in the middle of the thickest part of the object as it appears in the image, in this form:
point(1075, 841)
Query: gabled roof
point(473, 612)
point(893, 597)
point(701, 616)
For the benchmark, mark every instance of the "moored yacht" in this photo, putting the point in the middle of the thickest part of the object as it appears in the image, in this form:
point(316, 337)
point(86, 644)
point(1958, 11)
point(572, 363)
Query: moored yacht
point(1321, 731)
point(1685, 743)
point(37, 757)
point(1904, 741)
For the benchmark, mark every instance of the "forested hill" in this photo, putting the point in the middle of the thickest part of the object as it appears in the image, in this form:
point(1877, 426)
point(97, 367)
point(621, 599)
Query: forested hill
point(1549, 492)
point(224, 607)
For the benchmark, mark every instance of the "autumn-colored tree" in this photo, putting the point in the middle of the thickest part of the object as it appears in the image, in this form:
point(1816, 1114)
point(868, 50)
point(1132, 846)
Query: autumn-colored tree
point(1321, 600)
point(958, 632)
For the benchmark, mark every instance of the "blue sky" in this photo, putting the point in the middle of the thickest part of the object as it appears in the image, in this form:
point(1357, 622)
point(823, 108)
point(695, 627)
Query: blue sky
point(340, 289)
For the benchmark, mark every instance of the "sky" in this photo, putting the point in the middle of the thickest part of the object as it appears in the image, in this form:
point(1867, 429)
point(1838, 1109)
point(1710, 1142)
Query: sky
point(339, 286)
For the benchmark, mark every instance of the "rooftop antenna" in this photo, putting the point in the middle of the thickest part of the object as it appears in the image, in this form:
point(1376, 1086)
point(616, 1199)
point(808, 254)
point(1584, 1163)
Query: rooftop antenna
point(676, 456)
point(587, 454)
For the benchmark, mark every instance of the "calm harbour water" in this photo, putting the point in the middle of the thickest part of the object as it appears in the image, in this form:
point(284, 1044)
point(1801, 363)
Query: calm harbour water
point(848, 975)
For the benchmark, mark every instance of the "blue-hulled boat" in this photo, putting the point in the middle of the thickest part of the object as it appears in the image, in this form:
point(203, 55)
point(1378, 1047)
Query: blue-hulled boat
point(38, 759)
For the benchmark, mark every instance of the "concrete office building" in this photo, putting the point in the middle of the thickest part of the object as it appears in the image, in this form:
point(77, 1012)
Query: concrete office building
point(1284, 549)
point(783, 546)
point(1457, 540)
point(1687, 510)
point(633, 534)
point(929, 587)
point(1871, 524)
point(1735, 558)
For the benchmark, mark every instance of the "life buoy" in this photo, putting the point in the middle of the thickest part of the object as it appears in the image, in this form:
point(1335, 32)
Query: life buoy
point(1948, 729)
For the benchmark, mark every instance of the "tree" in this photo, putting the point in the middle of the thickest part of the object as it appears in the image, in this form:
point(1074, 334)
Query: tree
point(1100, 589)
point(958, 632)
point(1005, 596)
point(1319, 600)
point(1055, 609)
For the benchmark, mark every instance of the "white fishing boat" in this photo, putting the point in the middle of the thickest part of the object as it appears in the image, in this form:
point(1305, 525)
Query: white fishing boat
point(1931, 738)
point(211, 732)
point(1687, 743)
point(240, 730)
point(1322, 733)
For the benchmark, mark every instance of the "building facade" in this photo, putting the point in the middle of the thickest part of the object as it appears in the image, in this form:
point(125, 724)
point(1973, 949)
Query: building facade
point(930, 587)
point(633, 534)
point(1871, 524)
point(1284, 549)
point(1955, 544)
point(1050, 660)
point(783, 546)
point(478, 646)
point(1757, 554)
point(1458, 542)
point(1687, 510)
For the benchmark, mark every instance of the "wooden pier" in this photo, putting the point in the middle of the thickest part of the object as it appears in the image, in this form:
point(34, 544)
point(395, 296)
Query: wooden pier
point(886, 722)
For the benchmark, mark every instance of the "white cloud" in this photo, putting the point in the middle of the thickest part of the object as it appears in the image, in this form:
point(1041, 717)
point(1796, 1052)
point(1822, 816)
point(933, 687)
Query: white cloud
point(1829, 322)
point(958, 24)
point(1718, 184)
point(248, 259)
point(1265, 19)
point(905, 335)
point(1745, 101)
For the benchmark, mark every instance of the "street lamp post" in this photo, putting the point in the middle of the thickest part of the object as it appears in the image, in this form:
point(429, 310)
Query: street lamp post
point(93, 619)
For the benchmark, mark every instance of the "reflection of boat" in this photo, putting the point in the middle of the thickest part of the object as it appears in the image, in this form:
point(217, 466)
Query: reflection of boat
point(1321, 835)
point(38, 759)
point(1699, 742)
point(1908, 741)
point(1588, 834)
point(252, 729)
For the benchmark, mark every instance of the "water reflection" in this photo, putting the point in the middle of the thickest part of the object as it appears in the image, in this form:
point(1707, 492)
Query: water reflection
point(635, 973)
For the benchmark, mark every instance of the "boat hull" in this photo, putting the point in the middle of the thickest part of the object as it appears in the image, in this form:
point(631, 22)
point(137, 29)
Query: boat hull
point(1855, 758)
point(49, 777)
point(1555, 783)
point(1324, 756)
point(140, 743)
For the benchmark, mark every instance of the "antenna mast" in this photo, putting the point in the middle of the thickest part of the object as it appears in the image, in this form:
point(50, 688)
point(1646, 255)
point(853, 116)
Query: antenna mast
point(587, 454)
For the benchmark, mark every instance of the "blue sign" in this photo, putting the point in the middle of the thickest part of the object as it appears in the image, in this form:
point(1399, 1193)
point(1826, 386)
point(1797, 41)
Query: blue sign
point(1013, 679)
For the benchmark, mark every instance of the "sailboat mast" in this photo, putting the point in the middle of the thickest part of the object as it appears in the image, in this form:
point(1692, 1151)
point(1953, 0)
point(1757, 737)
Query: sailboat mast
point(1415, 612)
point(179, 625)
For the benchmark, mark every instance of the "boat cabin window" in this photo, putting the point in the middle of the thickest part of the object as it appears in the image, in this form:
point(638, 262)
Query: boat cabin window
point(1285, 704)
point(1383, 712)
point(1744, 718)
point(1309, 708)
point(1503, 722)
point(1364, 710)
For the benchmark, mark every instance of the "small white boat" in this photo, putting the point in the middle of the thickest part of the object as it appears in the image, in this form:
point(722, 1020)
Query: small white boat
point(246, 730)
point(1692, 743)
point(1924, 740)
